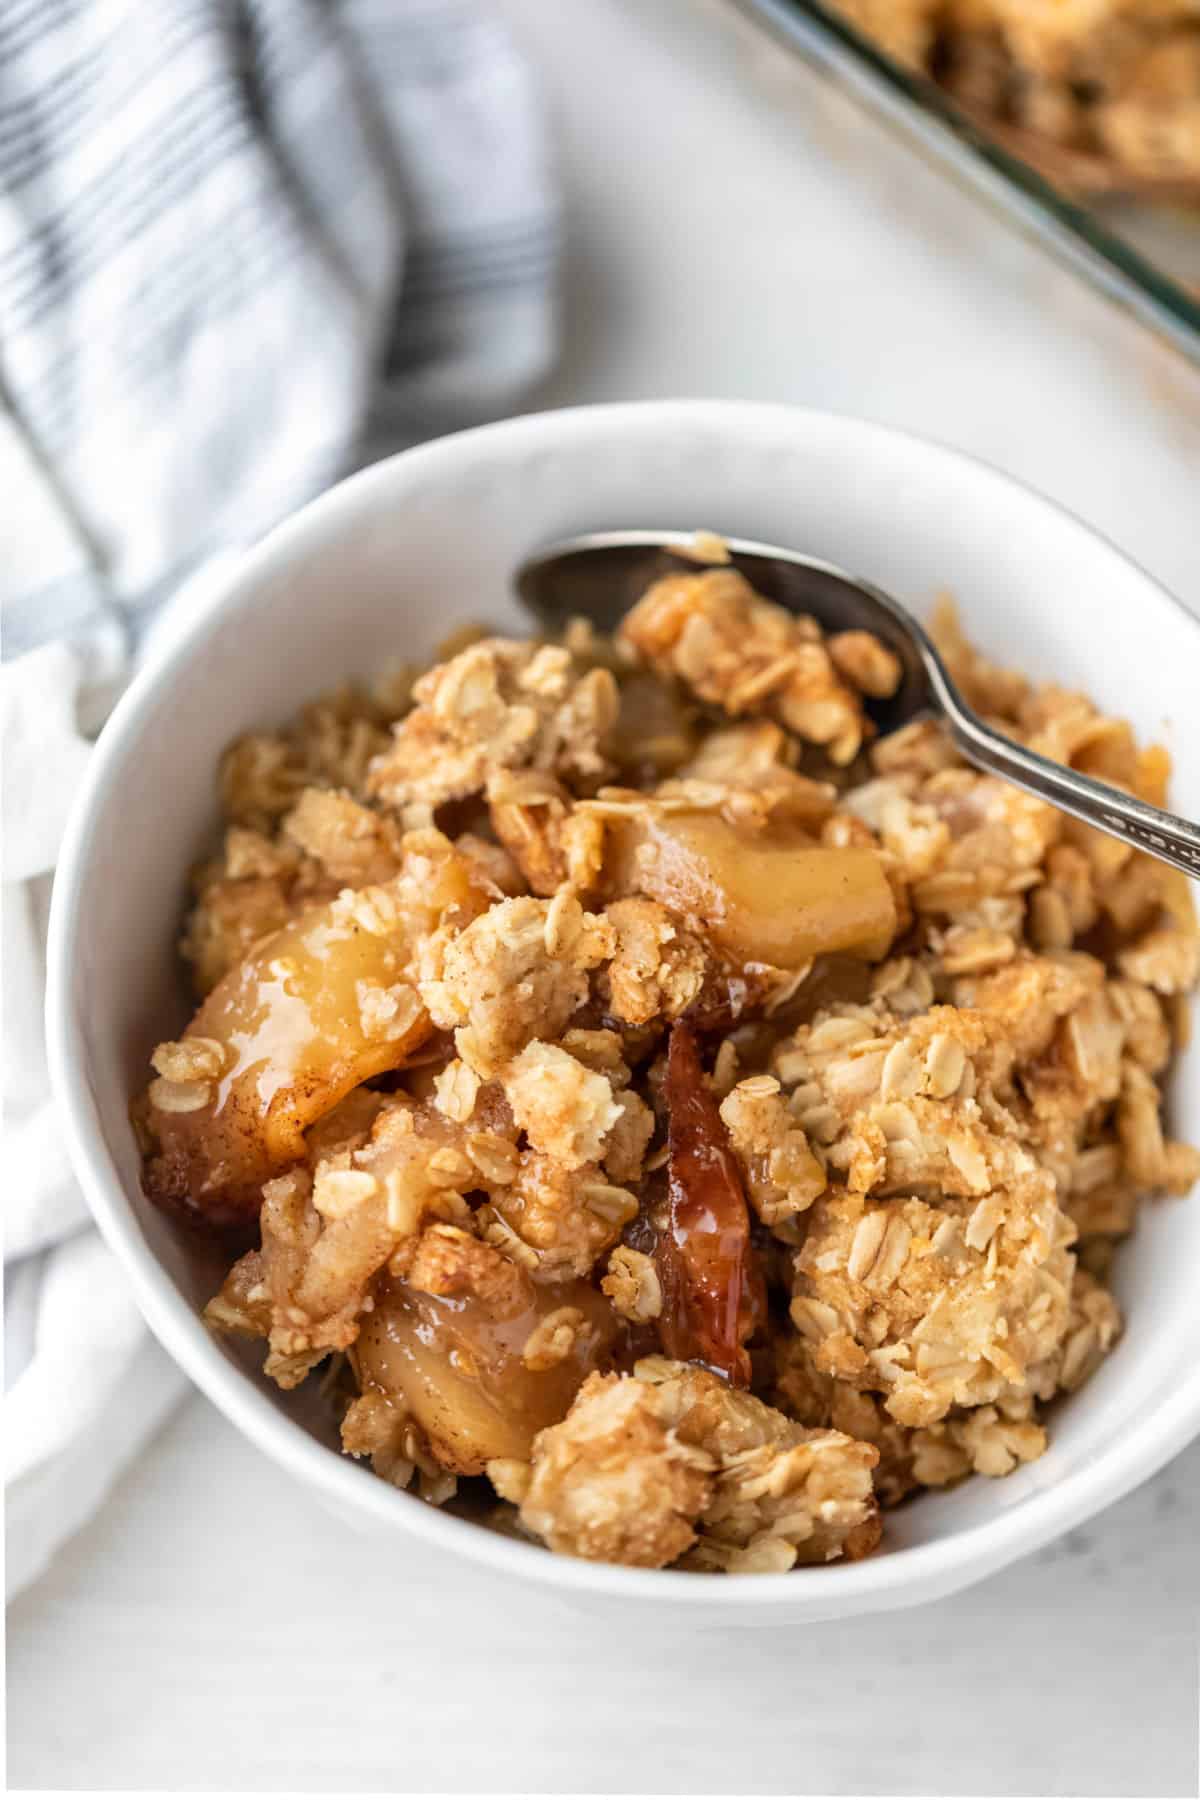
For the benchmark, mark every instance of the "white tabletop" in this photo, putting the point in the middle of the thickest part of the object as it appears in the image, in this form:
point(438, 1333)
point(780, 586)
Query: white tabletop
point(733, 232)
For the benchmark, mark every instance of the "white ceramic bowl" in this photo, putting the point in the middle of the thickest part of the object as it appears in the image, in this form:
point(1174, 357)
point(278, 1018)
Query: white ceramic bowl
point(385, 564)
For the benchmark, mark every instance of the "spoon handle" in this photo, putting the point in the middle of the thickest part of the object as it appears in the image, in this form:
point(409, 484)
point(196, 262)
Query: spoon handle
point(1161, 834)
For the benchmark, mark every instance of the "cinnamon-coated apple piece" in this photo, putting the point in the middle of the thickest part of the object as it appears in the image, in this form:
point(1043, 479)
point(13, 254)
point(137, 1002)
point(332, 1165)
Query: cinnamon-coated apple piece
point(774, 898)
point(315, 1009)
point(461, 1366)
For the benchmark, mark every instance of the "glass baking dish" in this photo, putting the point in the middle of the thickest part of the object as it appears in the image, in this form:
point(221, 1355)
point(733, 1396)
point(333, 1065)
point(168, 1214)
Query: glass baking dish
point(1143, 256)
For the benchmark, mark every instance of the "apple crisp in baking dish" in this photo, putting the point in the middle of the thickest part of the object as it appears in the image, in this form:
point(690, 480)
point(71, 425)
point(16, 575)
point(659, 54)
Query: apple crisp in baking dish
point(649, 1090)
point(1101, 96)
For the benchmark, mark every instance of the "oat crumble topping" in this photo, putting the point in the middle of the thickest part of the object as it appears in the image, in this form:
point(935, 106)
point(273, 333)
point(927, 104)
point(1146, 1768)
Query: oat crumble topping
point(643, 1087)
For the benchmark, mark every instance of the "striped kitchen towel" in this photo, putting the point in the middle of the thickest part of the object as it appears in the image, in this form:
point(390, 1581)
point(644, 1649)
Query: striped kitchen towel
point(243, 243)
point(232, 233)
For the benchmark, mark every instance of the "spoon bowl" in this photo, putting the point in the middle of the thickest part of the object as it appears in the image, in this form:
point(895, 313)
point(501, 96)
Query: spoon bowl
point(601, 574)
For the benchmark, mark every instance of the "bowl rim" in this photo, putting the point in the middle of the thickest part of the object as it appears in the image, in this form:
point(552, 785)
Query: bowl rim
point(905, 1576)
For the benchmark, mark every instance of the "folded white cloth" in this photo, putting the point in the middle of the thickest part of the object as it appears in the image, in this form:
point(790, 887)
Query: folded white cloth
point(239, 240)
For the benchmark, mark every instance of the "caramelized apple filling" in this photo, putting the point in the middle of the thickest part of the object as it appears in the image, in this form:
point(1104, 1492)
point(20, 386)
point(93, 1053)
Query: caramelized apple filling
point(309, 1014)
point(482, 1374)
point(704, 1162)
point(775, 897)
point(712, 1289)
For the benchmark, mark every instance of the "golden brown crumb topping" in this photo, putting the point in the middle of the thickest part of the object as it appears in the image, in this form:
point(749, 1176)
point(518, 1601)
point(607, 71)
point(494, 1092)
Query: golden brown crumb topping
point(712, 1159)
point(741, 653)
point(670, 1463)
point(496, 706)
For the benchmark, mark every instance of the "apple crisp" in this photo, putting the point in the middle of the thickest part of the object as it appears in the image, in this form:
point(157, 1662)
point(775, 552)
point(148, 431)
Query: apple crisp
point(1101, 95)
point(659, 1099)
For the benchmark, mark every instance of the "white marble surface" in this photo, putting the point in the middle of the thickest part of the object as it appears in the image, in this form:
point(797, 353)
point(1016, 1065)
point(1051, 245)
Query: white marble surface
point(733, 232)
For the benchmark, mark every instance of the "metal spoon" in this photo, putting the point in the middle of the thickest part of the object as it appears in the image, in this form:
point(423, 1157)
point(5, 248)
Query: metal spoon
point(600, 575)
